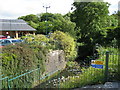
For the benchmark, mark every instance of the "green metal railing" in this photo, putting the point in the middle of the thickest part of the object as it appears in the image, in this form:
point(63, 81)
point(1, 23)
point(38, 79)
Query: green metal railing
point(31, 78)
point(111, 65)
point(25, 80)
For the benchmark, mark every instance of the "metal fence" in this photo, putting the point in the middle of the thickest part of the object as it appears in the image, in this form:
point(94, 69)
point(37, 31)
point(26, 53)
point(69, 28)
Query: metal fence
point(111, 65)
point(27, 79)
point(30, 78)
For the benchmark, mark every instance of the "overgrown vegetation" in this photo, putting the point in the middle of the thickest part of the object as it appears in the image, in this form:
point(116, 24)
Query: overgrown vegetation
point(65, 42)
point(113, 61)
point(55, 41)
point(31, 54)
point(79, 33)
point(87, 77)
point(21, 57)
point(90, 76)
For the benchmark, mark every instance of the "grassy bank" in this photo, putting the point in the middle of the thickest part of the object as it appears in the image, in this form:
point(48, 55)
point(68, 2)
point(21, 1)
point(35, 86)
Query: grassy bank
point(91, 75)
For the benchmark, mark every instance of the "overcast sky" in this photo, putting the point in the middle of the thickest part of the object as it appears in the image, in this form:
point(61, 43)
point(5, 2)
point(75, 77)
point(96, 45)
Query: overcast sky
point(12, 9)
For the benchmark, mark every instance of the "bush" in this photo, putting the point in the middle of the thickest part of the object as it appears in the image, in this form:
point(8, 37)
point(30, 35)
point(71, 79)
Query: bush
point(22, 57)
point(65, 42)
point(56, 40)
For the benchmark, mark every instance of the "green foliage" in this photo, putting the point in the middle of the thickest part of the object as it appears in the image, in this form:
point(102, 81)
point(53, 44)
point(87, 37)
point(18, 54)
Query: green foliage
point(117, 16)
point(22, 57)
point(36, 39)
point(91, 76)
point(113, 61)
point(116, 35)
point(56, 40)
point(30, 17)
point(110, 49)
point(45, 27)
point(33, 24)
point(48, 22)
point(70, 64)
point(65, 42)
point(93, 25)
point(111, 21)
point(87, 77)
point(90, 18)
point(111, 36)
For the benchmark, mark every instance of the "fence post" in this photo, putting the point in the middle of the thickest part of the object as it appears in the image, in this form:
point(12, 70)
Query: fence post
point(106, 66)
point(119, 63)
point(39, 73)
point(8, 83)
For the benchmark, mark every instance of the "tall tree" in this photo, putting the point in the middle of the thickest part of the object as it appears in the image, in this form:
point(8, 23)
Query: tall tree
point(57, 22)
point(90, 18)
point(48, 22)
point(30, 17)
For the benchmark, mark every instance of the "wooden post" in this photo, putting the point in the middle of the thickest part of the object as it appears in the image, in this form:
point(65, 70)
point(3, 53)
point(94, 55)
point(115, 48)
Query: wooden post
point(16, 33)
point(33, 33)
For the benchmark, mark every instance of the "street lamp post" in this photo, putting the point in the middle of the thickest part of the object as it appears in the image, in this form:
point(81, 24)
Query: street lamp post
point(46, 7)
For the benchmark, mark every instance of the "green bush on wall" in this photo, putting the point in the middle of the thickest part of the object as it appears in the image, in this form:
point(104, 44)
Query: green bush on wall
point(31, 54)
point(65, 42)
point(21, 57)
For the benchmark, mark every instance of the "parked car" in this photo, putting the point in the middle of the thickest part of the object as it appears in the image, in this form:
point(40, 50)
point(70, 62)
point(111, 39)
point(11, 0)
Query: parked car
point(2, 37)
point(5, 42)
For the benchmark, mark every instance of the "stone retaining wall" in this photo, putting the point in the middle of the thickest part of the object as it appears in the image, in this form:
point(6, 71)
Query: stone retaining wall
point(55, 61)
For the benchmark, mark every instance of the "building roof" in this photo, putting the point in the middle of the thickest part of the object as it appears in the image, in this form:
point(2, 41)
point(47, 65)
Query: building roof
point(14, 25)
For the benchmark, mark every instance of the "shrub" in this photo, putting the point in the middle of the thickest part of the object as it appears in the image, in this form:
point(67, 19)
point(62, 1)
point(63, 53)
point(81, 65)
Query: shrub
point(65, 42)
point(21, 57)
point(57, 40)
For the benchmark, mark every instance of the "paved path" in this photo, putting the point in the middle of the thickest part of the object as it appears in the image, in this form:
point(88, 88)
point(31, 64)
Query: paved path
point(106, 86)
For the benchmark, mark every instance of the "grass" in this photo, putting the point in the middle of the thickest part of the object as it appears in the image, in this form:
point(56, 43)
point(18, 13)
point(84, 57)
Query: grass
point(91, 75)
point(88, 76)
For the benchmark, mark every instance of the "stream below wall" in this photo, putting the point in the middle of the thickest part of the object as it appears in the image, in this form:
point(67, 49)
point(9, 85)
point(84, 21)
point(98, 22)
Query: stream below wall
point(61, 77)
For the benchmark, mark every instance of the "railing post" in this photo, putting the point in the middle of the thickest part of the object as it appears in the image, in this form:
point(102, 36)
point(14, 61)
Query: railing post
point(38, 72)
point(119, 63)
point(8, 83)
point(106, 66)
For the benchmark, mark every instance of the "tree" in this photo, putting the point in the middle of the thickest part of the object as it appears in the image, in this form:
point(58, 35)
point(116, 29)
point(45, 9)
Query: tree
point(57, 22)
point(90, 18)
point(30, 17)
point(45, 27)
point(48, 22)
point(117, 16)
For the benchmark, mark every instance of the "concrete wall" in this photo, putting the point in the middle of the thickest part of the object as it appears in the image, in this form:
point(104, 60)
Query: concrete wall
point(55, 61)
